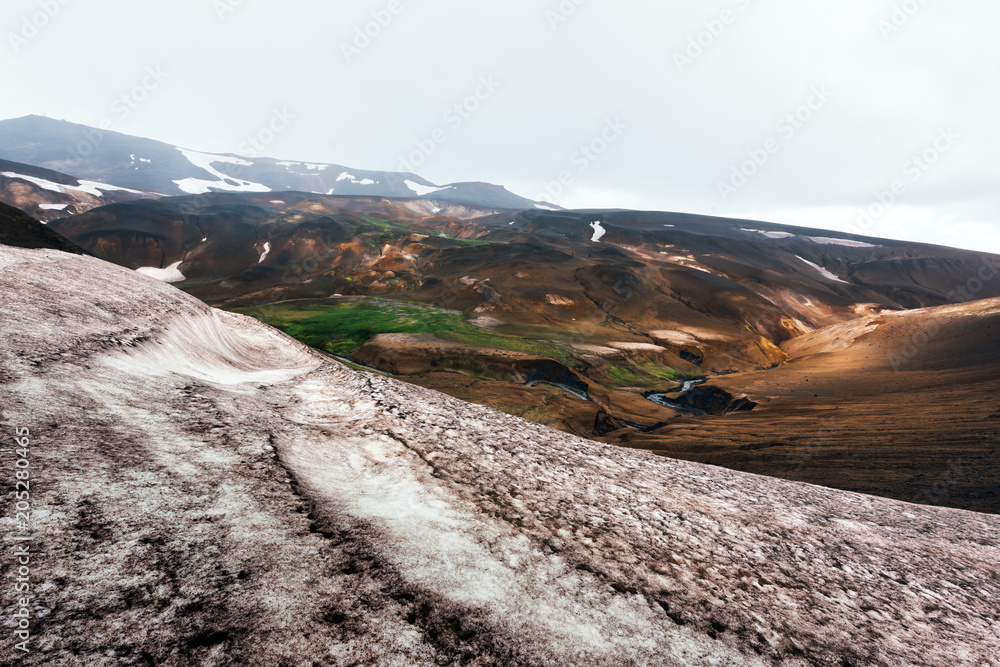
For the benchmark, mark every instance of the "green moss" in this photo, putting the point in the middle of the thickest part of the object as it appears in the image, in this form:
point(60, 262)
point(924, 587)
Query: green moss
point(341, 326)
point(623, 377)
point(661, 372)
point(471, 243)
point(644, 374)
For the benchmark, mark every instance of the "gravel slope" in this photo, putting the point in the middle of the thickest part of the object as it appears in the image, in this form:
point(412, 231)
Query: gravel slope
point(207, 491)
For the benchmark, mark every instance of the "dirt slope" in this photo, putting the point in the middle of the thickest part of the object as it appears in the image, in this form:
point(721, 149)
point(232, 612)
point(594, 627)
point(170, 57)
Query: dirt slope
point(901, 404)
point(207, 491)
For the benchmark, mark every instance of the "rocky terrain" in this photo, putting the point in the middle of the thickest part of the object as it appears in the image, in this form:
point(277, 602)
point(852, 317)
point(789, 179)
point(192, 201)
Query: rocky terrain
point(902, 404)
point(206, 490)
point(591, 321)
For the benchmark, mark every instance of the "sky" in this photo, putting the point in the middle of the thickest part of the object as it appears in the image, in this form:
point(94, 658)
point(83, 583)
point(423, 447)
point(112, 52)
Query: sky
point(876, 117)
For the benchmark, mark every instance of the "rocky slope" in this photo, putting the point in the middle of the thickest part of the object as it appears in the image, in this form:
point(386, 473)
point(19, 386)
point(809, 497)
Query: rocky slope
point(22, 231)
point(903, 404)
point(207, 491)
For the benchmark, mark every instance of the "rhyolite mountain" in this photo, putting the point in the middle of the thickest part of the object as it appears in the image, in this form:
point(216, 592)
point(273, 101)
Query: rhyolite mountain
point(590, 321)
point(145, 164)
point(47, 195)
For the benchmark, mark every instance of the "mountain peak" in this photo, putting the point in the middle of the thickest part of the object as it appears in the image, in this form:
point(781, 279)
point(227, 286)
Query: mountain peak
point(146, 164)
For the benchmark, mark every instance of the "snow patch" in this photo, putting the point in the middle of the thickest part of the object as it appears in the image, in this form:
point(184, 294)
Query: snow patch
point(770, 235)
point(422, 190)
point(171, 274)
point(598, 231)
point(308, 165)
point(545, 208)
point(198, 186)
point(267, 250)
point(825, 273)
point(824, 240)
point(348, 176)
point(95, 187)
point(52, 207)
point(90, 187)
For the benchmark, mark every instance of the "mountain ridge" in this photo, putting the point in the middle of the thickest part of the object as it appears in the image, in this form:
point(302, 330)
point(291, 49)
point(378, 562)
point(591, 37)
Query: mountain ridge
point(150, 165)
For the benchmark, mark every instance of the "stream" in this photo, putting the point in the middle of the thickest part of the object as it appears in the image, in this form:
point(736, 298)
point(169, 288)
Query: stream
point(662, 399)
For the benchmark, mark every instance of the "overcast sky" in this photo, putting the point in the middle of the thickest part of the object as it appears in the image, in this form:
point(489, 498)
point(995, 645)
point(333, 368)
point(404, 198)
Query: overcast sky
point(793, 111)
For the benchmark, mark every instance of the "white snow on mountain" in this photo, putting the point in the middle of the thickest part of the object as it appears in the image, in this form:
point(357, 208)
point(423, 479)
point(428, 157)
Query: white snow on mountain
point(52, 207)
point(308, 165)
point(197, 186)
point(171, 274)
point(770, 235)
point(422, 190)
point(267, 251)
point(599, 231)
point(347, 176)
point(90, 187)
point(824, 240)
point(824, 272)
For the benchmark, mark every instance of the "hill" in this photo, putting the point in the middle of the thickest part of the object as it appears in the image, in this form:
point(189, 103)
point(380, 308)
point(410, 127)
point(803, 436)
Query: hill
point(211, 490)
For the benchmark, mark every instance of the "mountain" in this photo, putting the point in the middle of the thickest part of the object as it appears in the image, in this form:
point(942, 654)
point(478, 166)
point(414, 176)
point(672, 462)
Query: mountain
point(901, 404)
point(47, 195)
point(598, 323)
point(144, 164)
point(210, 491)
point(20, 230)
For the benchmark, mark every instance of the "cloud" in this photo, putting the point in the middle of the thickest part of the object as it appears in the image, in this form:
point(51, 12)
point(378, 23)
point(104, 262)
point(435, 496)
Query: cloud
point(747, 67)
